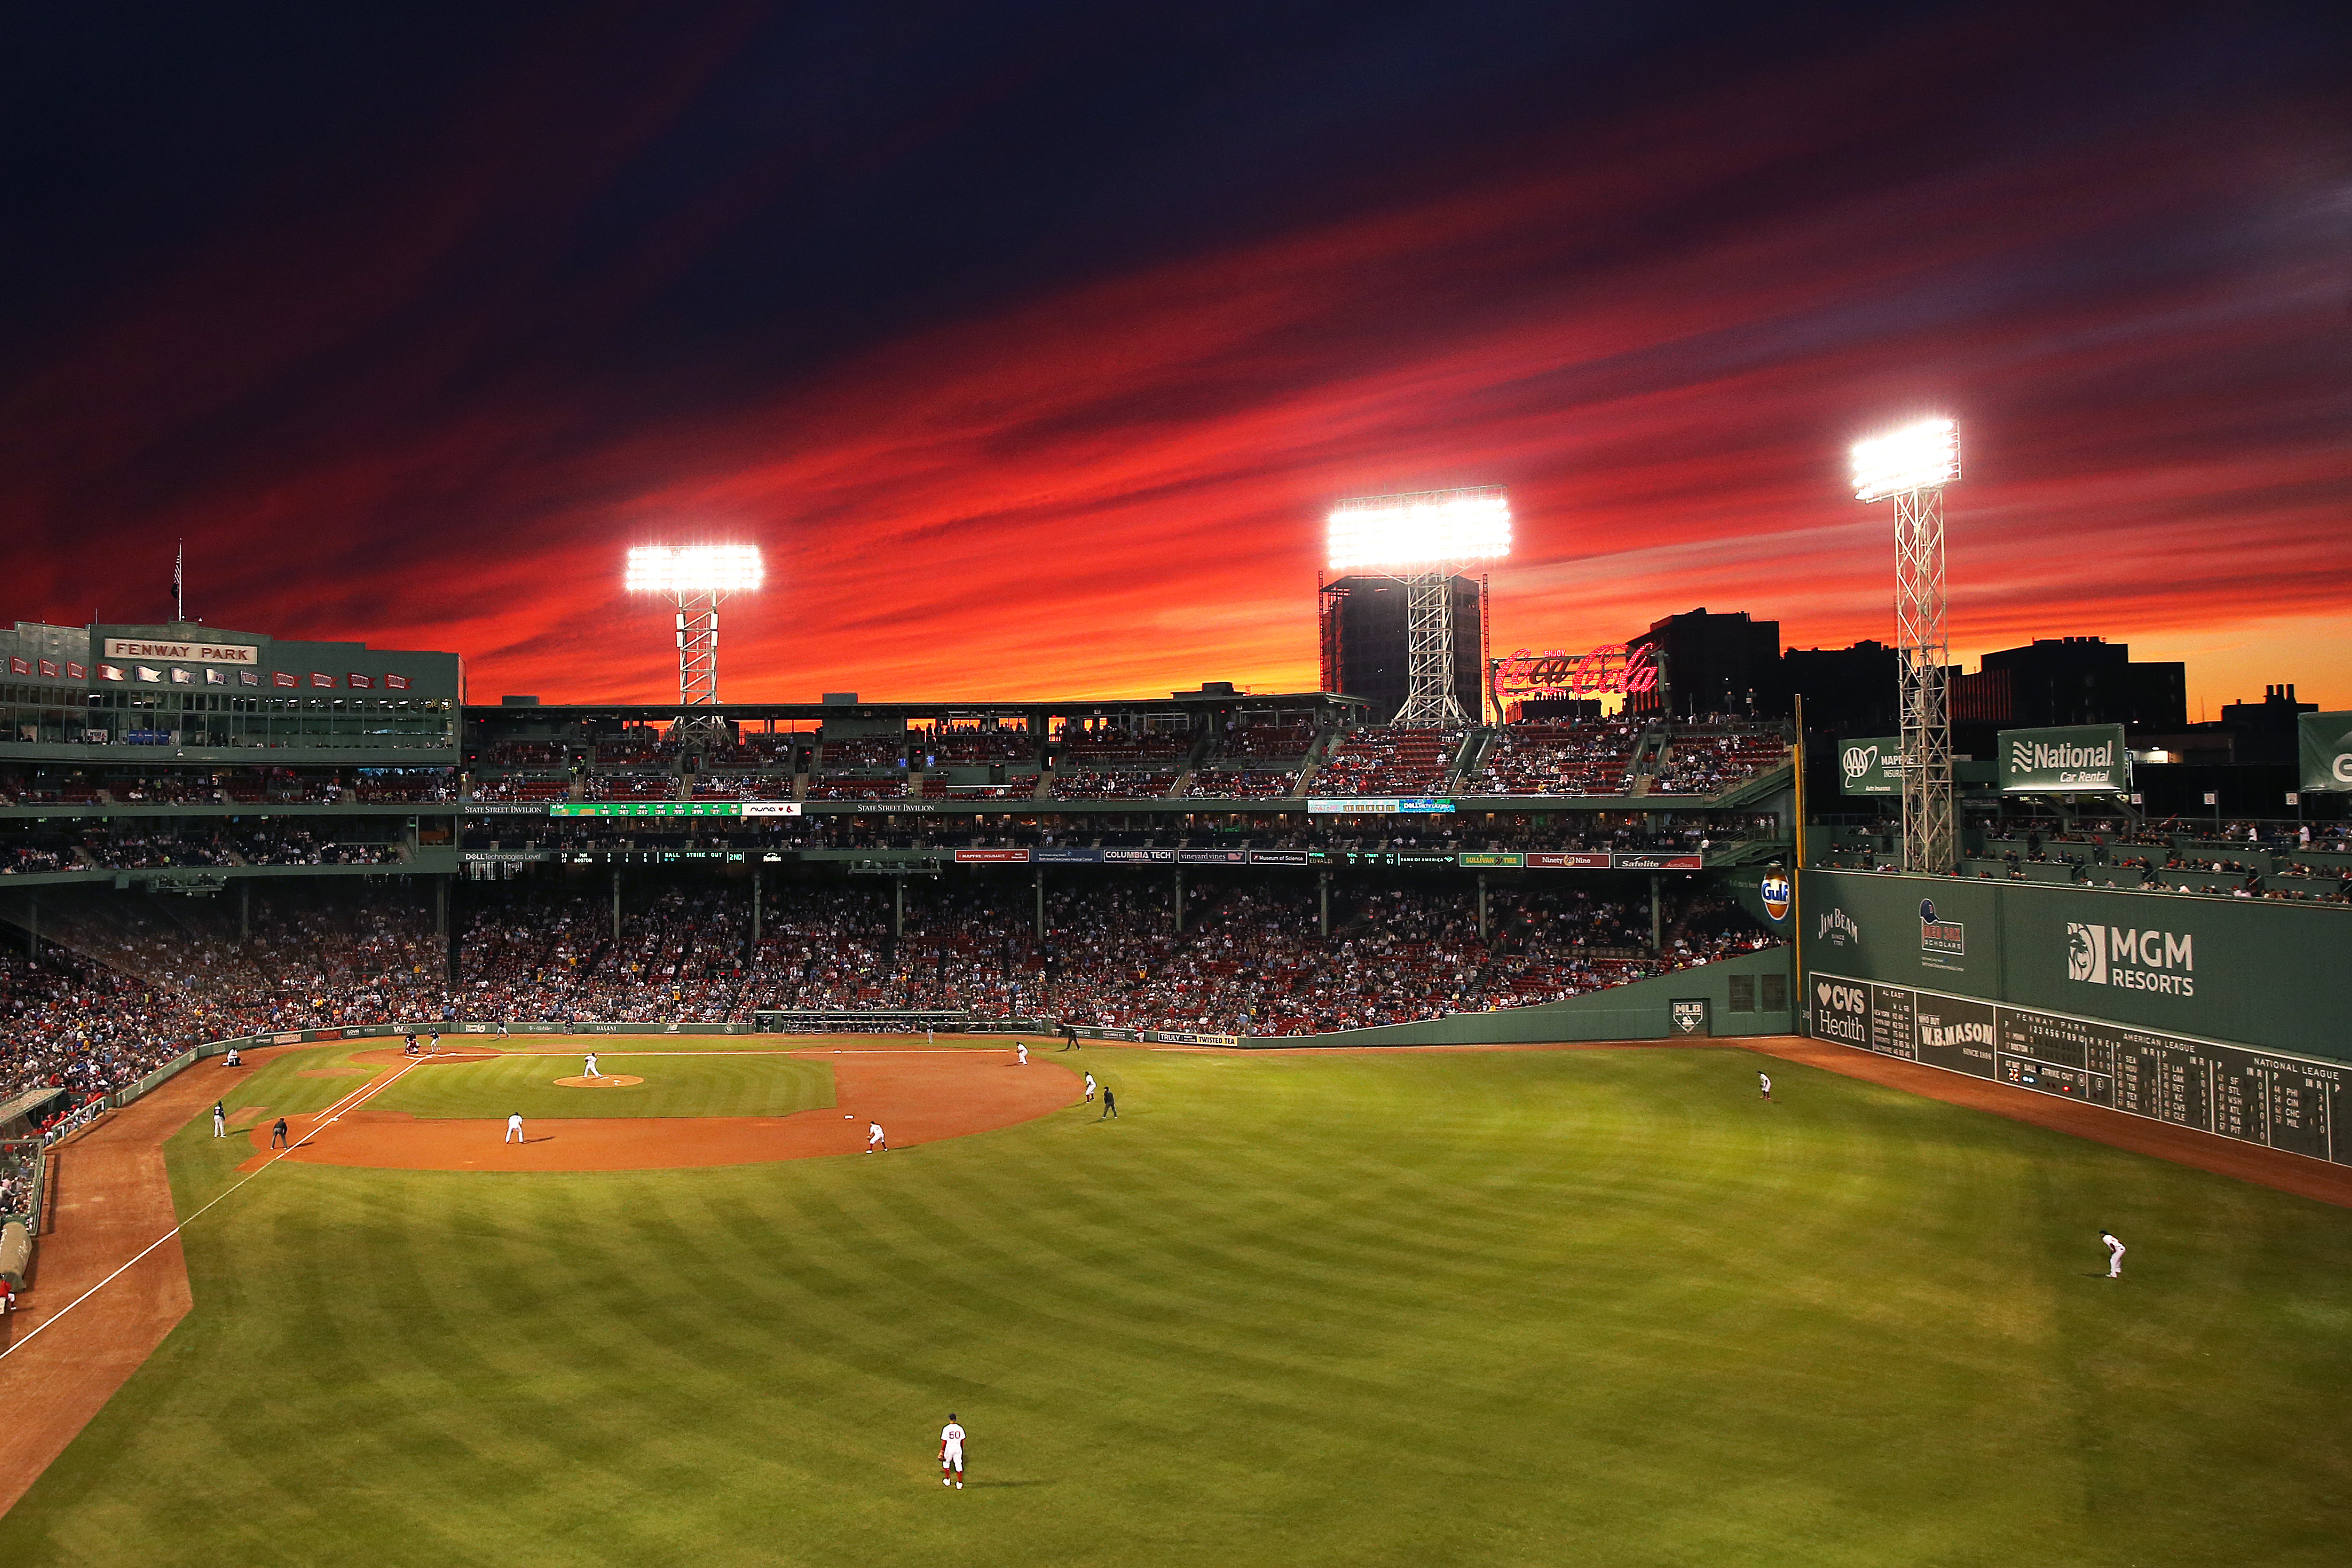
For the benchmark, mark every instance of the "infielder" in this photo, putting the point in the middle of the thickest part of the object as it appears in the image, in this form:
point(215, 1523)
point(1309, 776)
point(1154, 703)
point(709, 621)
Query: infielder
point(1023, 1047)
point(951, 1454)
point(874, 1141)
point(1764, 1083)
point(2115, 1256)
point(1090, 1088)
point(514, 1127)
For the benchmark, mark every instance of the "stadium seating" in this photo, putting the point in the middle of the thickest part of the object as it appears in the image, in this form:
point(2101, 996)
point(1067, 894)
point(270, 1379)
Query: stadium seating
point(1589, 758)
point(1386, 759)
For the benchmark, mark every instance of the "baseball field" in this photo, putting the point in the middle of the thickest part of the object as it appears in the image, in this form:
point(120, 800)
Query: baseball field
point(1597, 1306)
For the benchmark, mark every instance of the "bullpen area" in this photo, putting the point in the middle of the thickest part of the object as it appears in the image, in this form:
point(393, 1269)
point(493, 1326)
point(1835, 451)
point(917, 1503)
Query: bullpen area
point(1603, 1305)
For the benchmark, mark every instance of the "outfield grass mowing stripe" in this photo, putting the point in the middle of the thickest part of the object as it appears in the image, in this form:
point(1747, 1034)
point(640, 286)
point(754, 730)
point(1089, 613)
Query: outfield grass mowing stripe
point(1591, 1307)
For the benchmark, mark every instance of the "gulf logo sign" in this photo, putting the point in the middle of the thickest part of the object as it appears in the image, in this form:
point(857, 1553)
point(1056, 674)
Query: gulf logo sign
point(1776, 893)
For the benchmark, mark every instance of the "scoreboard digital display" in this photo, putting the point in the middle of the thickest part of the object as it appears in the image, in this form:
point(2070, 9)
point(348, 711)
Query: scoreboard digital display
point(2280, 1101)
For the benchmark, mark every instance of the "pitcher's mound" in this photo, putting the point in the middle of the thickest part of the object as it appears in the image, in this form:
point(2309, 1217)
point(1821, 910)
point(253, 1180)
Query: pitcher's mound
point(608, 1080)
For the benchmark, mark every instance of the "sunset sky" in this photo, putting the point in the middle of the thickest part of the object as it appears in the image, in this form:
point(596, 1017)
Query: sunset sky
point(1033, 342)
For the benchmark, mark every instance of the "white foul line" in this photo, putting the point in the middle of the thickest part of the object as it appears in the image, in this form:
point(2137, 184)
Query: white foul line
point(358, 1096)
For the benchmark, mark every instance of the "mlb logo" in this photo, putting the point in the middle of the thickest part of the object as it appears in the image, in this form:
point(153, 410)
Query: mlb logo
point(1775, 891)
point(2087, 952)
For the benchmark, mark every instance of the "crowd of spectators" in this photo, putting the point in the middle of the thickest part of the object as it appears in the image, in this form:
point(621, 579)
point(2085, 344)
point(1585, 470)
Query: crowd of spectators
point(1708, 762)
point(1387, 759)
point(1591, 757)
point(1090, 784)
point(123, 984)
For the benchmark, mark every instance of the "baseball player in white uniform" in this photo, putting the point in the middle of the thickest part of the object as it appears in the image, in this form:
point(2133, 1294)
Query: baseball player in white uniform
point(1023, 1048)
point(2115, 1256)
point(951, 1454)
point(1764, 1084)
point(514, 1127)
point(874, 1141)
point(589, 1070)
point(1090, 1088)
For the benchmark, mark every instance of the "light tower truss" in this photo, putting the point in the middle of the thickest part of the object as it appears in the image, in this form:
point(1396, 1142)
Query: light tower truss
point(694, 579)
point(1911, 467)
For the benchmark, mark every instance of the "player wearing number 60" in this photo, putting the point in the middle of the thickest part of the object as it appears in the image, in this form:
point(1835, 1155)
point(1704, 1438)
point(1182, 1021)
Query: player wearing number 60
point(951, 1454)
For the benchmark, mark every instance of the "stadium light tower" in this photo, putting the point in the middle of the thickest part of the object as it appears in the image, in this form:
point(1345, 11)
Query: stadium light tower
point(1420, 540)
point(695, 577)
point(1910, 466)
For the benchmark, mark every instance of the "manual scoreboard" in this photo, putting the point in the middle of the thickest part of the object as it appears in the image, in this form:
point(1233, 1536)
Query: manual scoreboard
point(2286, 1102)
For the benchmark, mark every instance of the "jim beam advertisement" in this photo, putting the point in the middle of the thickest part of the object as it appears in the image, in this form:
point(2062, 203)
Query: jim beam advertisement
point(2327, 746)
point(1871, 764)
point(2082, 759)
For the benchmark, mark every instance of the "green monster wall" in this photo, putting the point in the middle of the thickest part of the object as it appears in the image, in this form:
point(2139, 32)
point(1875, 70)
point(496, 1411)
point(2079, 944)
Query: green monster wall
point(1644, 1010)
point(2256, 971)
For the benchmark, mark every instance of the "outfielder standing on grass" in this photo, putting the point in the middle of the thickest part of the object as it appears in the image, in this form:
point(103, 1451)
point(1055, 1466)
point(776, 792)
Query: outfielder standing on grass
point(951, 1454)
point(1764, 1083)
point(2115, 1254)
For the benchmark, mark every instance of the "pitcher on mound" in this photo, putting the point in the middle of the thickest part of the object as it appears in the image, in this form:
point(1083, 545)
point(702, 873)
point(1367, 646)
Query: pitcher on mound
point(951, 1454)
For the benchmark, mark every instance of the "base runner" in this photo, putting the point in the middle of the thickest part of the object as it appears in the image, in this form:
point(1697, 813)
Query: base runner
point(951, 1454)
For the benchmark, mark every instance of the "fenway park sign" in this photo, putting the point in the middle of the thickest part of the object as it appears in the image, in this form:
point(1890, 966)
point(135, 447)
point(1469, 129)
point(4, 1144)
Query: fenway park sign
point(1614, 669)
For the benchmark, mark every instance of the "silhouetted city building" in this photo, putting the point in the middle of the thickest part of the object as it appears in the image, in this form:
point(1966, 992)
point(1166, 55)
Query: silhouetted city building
point(1362, 625)
point(1712, 664)
point(2072, 680)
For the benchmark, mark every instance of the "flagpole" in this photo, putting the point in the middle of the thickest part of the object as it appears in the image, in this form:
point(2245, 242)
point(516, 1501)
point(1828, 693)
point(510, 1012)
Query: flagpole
point(180, 583)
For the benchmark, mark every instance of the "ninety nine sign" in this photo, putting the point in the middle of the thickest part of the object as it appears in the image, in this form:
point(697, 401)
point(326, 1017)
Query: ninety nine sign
point(2086, 759)
point(673, 808)
point(1385, 806)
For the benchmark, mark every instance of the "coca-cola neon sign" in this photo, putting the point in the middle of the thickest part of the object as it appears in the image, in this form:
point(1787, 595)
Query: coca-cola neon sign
point(1611, 671)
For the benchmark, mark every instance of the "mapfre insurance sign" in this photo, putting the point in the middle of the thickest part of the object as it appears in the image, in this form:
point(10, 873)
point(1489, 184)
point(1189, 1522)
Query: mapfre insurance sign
point(190, 652)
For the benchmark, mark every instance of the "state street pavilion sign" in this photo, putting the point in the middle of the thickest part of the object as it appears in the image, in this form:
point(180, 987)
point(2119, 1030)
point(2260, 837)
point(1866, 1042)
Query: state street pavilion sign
point(2080, 759)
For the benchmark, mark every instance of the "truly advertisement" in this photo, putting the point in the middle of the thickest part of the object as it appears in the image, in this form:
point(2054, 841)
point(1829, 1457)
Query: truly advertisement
point(2325, 741)
point(2086, 759)
point(1870, 764)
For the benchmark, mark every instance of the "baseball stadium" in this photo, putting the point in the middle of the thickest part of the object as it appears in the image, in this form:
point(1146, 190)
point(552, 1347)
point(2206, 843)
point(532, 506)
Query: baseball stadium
point(1479, 1110)
point(1232, 969)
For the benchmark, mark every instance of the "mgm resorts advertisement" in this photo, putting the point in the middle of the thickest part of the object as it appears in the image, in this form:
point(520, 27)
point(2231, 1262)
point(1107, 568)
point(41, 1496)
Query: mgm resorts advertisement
point(2327, 747)
point(1871, 764)
point(2081, 759)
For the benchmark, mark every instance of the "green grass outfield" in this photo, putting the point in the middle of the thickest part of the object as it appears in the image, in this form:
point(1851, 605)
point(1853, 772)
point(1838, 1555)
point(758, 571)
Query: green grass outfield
point(1590, 1307)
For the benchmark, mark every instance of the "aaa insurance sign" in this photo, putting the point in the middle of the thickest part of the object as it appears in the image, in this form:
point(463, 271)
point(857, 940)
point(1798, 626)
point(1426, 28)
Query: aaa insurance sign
point(2081, 759)
point(1871, 764)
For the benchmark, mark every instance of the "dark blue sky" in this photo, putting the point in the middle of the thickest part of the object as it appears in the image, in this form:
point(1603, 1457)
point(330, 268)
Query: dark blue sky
point(1033, 341)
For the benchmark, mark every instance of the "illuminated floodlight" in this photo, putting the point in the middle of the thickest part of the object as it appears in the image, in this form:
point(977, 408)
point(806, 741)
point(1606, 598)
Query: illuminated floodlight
point(1916, 458)
point(695, 569)
point(1397, 533)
